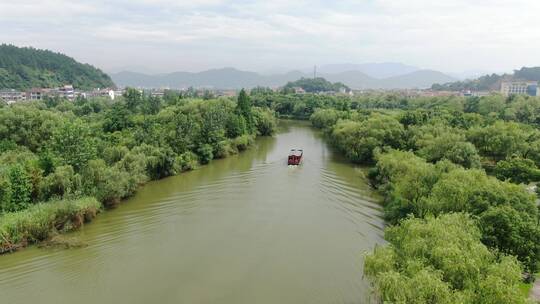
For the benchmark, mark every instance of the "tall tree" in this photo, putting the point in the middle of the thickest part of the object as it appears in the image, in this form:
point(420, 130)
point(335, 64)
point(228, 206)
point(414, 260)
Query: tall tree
point(243, 108)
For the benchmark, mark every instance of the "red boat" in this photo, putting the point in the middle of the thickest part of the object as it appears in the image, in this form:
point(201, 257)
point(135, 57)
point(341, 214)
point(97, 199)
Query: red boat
point(295, 157)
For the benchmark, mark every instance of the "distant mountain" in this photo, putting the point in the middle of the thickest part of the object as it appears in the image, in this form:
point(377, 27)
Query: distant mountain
point(24, 68)
point(418, 79)
point(230, 78)
point(375, 70)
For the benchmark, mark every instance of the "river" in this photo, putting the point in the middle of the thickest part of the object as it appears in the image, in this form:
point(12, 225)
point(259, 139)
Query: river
point(245, 229)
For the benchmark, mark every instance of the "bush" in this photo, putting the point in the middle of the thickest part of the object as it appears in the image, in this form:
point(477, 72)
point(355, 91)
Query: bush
point(441, 260)
point(358, 140)
point(62, 182)
point(517, 170)
point(205, 153)
point(186, 161)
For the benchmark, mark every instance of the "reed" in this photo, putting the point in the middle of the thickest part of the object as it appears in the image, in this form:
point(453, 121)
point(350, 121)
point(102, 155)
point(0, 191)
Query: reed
point(41, 221)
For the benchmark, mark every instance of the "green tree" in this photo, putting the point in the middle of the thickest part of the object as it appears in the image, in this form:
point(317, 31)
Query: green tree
point(73, 144)
point(441, 260)
point(358, 140)
point(514, 233)
point(243, 107)
point(21, 189)
point(133, 99)
point(517, 170)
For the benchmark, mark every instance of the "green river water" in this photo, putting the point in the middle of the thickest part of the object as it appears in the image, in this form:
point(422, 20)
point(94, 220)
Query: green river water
point(246, 229)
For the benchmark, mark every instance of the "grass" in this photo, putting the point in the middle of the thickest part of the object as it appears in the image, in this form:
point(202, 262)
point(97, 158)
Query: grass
point(41, 221)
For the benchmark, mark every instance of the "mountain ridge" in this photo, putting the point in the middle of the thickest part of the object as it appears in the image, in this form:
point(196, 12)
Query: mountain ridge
point(232, 78)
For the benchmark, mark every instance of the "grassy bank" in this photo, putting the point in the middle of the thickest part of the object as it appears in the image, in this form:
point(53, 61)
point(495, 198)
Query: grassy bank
point(41, 221)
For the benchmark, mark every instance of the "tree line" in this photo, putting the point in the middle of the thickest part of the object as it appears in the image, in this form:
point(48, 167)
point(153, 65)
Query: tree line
point(55, 151)
point(457, 176)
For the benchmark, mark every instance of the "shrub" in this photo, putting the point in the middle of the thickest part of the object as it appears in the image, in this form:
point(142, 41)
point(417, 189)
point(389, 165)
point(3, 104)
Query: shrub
point(441, 260)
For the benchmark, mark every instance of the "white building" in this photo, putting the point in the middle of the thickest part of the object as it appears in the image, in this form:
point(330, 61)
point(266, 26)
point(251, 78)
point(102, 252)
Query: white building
point(100, 93)
point(67, 92)
point(519, 88)
point(11, 96)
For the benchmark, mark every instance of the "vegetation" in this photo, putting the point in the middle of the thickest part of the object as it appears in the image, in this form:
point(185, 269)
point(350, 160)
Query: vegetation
point(441, 260)
point(315, 85)
point(453, 172)
point(489, 82)
point(59, 158)
point(40, 221)
point(25, 68)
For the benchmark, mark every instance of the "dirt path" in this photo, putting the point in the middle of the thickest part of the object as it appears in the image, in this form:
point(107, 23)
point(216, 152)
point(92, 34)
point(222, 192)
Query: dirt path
point(534, 294)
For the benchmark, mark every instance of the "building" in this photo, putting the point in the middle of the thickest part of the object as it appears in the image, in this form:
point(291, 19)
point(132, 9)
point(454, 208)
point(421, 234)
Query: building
point(299, 90)
point(35, 94)
point(519, 88)
point(11, 96)
point(107, 93)
point(67, 92)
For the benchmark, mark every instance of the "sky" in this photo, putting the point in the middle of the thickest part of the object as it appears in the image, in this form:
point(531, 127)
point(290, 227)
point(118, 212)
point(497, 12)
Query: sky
point(278, 35)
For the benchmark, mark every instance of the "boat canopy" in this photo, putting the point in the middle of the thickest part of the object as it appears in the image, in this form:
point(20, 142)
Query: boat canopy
point(296, 152)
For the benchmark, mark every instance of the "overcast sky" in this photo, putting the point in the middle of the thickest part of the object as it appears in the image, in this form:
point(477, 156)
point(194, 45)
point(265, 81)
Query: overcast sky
point(262, 35)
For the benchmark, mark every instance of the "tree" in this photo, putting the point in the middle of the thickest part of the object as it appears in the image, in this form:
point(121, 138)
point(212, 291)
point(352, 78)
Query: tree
point(21, 189)
point(236, 125)
point(517, 170)
point(358, 140)
point(441, 260)
point(73, 144)
point(514, 233)
point(243, 108)
point(133, 99)
point(265, 121)
point(117, 118)
point(151, 105)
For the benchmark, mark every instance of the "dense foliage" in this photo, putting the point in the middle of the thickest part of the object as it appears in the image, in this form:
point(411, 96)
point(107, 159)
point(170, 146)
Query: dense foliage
point(441, 260)
point(315, 85)
point(489, 82)
point(24, 68)
point(452, 171)
point(61, 150)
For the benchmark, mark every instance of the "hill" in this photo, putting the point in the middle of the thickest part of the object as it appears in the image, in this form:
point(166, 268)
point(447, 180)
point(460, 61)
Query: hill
point(375, 70)
point(24, 68)
point(315, 85)
point(230, 78)
point(489, 82)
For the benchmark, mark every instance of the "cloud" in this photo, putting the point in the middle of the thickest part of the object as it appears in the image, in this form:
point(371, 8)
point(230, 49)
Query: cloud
point(255, 34)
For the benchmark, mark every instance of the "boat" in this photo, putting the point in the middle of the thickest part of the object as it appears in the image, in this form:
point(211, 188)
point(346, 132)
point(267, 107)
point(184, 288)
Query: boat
point(295, 157)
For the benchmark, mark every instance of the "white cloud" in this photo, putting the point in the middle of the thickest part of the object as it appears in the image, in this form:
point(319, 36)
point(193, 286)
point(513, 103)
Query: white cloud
point(447, 35)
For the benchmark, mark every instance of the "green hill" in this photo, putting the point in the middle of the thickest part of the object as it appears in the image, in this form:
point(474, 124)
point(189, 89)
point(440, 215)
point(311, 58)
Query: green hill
point(314, 85)
point(489, 82)
point(24, 68)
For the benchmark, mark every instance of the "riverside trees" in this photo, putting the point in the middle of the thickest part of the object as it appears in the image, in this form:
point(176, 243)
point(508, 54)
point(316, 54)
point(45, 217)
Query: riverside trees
point(463, 229)
point(95, 148)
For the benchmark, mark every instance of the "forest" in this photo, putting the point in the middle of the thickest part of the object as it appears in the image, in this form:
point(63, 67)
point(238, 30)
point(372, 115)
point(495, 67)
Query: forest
point(458, 176)
point(62, 161)
point(25, 68)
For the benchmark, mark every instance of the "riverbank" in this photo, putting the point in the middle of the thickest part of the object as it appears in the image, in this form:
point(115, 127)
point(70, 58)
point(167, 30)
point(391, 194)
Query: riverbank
point(240, 228)
point(44, 220)
point(38, 223)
